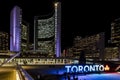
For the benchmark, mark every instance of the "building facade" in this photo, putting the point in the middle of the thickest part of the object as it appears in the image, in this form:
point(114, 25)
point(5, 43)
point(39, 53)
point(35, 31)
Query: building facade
point(24, 36)
point(44, 38)
point(115, 32)
point(111, 53)
point(47, 33)
point(93, 46)
point(15, 29)
point(3, 42)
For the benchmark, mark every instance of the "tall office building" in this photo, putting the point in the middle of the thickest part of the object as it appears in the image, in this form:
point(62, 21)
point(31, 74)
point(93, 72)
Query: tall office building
point(3, 42)
point(115, 32)
point(47, 32)
point(15, 29)
point(24, 36)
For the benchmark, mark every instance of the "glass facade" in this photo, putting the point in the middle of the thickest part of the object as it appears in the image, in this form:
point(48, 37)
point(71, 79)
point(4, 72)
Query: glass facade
point(46, 28)
point(115, 32)
point(3, 42)
point(111, 53)
point(92, 45)
point(47, 33)
point(24, 36)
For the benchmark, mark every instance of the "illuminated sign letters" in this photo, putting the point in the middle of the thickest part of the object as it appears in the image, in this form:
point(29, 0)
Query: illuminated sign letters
point(85, 68)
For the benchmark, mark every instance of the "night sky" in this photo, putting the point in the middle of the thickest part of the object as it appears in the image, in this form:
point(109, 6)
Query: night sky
point(83, 18)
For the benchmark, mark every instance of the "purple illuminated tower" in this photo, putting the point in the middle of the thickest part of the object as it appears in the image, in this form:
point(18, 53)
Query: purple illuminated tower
point(15, 30)
point(58, 29)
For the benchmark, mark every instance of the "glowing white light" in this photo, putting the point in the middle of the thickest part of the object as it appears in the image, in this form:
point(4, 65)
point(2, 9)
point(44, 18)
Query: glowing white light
point(56, 4)
point(17, 75)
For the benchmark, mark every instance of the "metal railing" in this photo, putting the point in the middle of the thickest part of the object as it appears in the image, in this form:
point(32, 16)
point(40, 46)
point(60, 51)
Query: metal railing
point(24, 74)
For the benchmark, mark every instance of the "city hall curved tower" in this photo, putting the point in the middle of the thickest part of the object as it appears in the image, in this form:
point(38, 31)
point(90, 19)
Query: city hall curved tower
point(15, 30)
point(47, 32)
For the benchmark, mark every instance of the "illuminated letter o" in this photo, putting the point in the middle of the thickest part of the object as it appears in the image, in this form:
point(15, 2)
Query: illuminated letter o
point(74, 69)
point(101, 68)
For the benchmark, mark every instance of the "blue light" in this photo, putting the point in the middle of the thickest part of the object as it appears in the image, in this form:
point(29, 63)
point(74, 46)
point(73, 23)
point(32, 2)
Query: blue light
point(102, 76)
point(85, 68)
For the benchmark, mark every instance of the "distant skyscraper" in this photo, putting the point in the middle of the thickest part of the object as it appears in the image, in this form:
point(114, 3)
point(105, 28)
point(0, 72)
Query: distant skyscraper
point(92, 45)
point(115, 32)
point(15, 29)
point(47, 32)
point(3, 42)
